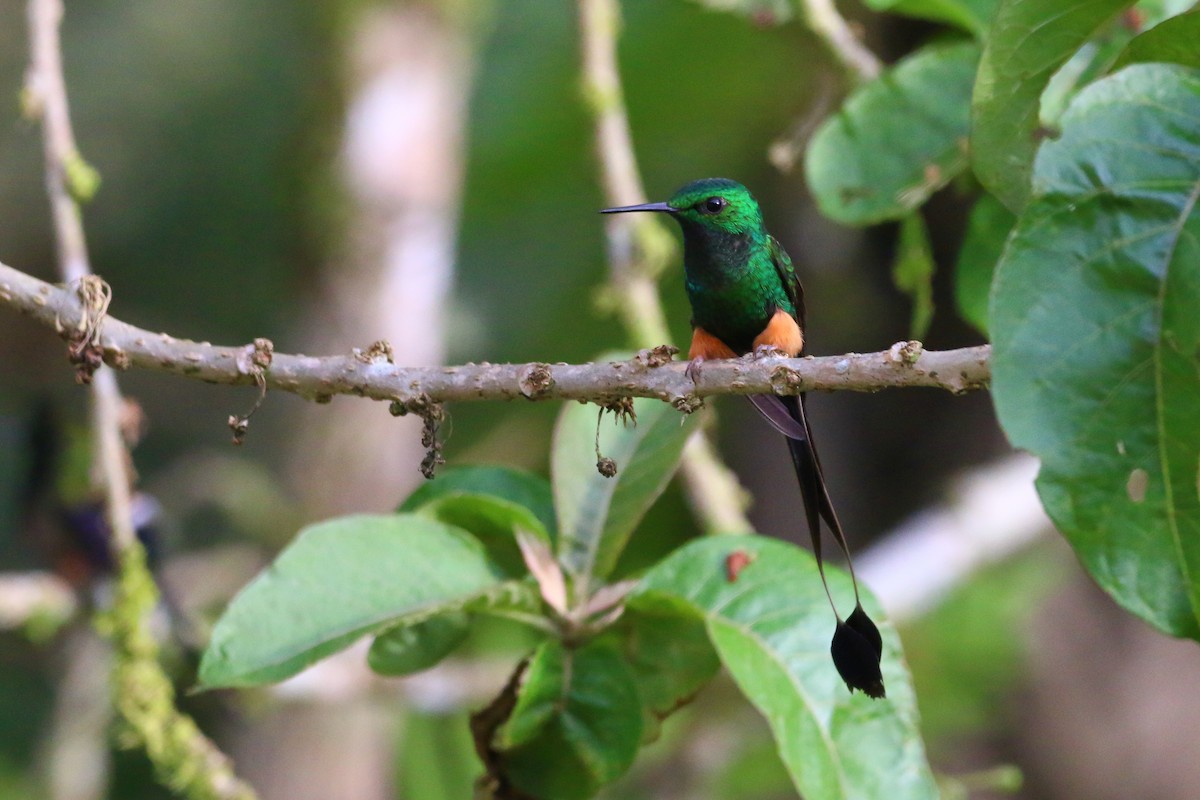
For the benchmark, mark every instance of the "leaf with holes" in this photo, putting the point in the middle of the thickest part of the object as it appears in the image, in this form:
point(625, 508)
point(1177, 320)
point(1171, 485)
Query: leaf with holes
point(1096, 367)
point(772, 628)
point(897, 139)
point(596, 514)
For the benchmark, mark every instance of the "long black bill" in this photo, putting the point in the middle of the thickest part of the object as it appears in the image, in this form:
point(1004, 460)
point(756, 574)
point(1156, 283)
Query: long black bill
point(642, 207)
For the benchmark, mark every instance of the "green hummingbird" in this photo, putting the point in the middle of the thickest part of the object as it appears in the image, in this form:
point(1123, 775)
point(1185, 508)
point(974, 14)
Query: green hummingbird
point(746, 298)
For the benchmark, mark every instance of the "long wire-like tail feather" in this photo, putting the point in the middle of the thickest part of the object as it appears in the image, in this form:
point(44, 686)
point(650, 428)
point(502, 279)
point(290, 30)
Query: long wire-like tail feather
point(857, 646)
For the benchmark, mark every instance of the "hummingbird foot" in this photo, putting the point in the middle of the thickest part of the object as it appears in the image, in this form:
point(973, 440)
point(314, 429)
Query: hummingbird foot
point(768, 351)
point(692, 371)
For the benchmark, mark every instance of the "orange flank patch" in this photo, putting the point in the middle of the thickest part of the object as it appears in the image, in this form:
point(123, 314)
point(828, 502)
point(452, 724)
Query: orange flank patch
point(782, 333)
point(706, 346)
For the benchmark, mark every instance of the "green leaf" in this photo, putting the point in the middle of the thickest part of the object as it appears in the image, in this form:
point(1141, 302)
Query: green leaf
point(772, 629)
point(436, 756)
point(1090, 62)
point(491, 520)
point(596, 515)
point(897, 140)
point(514, 485)
point(409, 648)
point(1097, 57)
point(672, 660)
point(970, 15)
point(577, 722)
point(1097, 337)
point(987, 230)
point(913, 271)
point(1173, 41)
point(336, 582)
point(1027, 43)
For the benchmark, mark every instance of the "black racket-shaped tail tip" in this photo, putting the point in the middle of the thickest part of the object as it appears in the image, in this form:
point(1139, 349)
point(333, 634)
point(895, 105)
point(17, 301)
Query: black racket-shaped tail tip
point(857, 660)
point(865, 626)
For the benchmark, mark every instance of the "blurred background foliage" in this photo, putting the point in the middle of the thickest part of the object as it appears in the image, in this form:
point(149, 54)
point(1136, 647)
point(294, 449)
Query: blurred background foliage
point(215, 126)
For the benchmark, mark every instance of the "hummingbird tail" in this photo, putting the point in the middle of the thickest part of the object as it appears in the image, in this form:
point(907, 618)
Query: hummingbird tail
point(857, 647)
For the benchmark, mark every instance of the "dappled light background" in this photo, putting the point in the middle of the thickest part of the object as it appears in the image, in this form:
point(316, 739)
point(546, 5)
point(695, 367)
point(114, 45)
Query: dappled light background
point(239, 199)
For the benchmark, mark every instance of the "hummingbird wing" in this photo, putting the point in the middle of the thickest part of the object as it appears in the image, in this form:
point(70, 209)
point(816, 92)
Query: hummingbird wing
point(788, 277)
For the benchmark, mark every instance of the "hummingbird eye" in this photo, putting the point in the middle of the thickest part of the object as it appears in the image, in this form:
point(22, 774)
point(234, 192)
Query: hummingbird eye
point(713, 205)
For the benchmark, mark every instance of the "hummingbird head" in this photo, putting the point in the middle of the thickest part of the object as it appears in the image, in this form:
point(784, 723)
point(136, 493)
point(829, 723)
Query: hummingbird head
point(714, 204)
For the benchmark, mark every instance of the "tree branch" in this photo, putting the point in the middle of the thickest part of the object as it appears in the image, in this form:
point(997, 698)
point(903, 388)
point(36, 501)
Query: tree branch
point(369, 373)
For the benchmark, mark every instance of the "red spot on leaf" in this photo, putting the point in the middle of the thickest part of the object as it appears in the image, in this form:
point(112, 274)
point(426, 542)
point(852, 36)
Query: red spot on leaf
point(735, 562)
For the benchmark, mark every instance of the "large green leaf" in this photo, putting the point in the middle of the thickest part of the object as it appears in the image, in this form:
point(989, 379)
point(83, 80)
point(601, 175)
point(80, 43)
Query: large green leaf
point(772, 629)
point(970, 15)
point(987, 230)
point(1174, 41)
point(338, 581)
point(514, 485)
point(596, 514)
point(897, 139)
point(576, 725)
point(1097, 337)
point(1027, 43)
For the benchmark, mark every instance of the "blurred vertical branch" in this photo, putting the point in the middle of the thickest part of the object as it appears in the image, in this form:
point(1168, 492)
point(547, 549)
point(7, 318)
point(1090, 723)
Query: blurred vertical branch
point(401, 171)
point(639, 250)
point(142, 692)
point(408, 69)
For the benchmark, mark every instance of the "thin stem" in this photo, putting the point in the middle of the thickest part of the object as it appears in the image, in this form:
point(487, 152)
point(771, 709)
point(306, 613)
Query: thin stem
point(852, 55)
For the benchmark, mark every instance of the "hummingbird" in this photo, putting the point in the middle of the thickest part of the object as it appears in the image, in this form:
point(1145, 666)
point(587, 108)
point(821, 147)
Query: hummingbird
point(746, 298)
